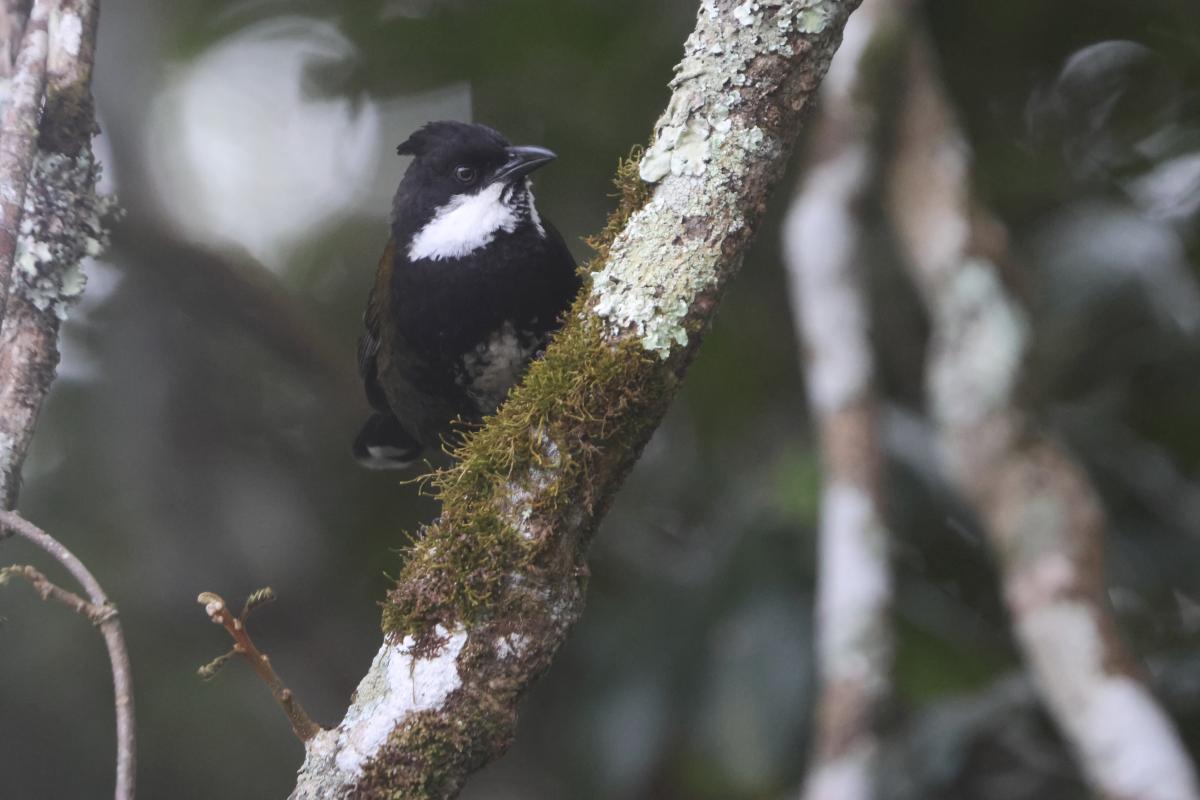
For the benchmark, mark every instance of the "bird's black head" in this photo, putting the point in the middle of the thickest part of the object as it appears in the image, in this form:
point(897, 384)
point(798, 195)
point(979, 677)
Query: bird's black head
point(465, 184)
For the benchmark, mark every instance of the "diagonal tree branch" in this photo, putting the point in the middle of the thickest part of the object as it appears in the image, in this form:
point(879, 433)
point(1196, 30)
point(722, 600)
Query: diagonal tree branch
point(491, 588)
point(1042, 516)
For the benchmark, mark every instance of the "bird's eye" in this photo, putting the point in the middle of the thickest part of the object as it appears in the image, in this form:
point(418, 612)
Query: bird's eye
point(464, 174)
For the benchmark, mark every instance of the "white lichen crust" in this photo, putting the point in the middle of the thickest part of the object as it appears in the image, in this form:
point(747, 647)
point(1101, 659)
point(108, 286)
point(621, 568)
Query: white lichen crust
point(854, 591)
point(64, 222)
point(706, 141)
point(398, 684)
point(820, 243)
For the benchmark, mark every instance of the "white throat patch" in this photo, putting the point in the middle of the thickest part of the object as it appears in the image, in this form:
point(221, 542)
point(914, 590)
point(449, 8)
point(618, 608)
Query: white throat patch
point(471, 221)
point(463, 225)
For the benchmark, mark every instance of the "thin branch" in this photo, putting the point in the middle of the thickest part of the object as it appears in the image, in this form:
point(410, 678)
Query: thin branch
point(218, 611)
point(49, 590)
point(823, 259)
point(18, 137)
point(489, 591)
point(103, 613)
point(1044, 521)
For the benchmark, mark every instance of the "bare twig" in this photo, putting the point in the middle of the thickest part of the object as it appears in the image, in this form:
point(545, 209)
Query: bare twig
point(218, 611)
point(822, 256)
point(1043, 519)
point(18, 138)
point(103, 614)
point(52, 591)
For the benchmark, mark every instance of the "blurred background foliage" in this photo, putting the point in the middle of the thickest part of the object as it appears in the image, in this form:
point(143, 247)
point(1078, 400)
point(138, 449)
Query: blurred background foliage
point(197, 437)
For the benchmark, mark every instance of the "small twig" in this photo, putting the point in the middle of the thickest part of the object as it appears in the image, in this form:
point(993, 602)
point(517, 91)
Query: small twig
point(18, 138)
point(48, 590)
point(218, 611)
point(103, 614)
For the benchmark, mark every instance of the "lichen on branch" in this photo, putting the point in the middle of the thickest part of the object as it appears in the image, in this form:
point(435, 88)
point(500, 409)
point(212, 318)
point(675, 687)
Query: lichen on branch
point(499, 578)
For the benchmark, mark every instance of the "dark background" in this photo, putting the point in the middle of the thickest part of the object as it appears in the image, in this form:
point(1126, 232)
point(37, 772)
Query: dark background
point(197, 437)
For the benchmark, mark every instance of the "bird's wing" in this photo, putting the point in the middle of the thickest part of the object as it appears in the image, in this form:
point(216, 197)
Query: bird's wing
point(374, 318)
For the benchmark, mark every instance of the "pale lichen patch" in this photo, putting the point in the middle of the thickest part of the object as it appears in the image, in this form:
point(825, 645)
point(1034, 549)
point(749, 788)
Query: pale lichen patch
point(854, 589)
point(814, 20)
point(659, 265)
point(744, 13)
point(68, 32)
point(511, 645)
point(399, 683)
point(64, 222)
point(705, 139)
point(820, 237)
point(986, 332)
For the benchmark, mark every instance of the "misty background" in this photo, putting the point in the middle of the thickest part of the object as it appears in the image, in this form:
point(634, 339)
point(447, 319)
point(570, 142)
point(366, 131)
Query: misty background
point(197, 437)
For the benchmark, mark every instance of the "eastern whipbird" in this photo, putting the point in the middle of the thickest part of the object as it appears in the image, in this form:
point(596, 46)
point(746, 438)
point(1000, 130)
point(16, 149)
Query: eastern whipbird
point(471, 285)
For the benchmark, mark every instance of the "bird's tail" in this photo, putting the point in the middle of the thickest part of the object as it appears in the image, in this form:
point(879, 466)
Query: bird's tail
point(384, 444)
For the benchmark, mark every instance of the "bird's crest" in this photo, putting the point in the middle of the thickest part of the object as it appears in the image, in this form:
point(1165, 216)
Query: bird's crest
point(446, 133)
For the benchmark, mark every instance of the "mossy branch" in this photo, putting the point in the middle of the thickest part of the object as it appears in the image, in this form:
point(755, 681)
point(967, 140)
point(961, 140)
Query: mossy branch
point(490, 589)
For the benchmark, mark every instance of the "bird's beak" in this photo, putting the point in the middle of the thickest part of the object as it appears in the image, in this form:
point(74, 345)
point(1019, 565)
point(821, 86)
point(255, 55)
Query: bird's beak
point(522, 161)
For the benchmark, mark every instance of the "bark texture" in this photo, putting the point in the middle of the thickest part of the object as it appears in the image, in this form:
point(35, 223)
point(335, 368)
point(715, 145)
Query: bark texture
point(491, 588)
point(822, 235)
point(19, 128)
point(63, 222)
point(1044, 520)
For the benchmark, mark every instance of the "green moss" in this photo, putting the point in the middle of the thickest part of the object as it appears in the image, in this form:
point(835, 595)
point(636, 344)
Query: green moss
point(435, 745)
point(544, 458)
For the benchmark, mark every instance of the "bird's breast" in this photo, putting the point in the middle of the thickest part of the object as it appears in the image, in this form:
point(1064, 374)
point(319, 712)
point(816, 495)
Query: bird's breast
point(487, 371)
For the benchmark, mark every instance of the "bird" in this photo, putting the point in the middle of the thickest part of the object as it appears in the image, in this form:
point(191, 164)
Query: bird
point(471, 286)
